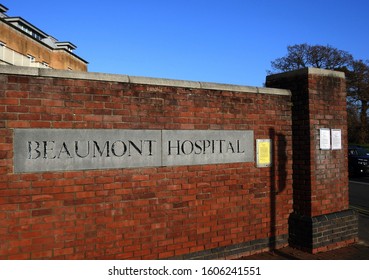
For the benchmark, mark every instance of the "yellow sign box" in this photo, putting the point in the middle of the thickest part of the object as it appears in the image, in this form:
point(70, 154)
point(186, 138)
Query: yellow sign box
point(263, 152)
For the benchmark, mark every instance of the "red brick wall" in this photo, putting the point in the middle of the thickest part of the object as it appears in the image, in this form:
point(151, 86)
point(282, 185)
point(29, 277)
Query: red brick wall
point(142, 213)
point(330, 191)
point(321, 219)
point(320, 176)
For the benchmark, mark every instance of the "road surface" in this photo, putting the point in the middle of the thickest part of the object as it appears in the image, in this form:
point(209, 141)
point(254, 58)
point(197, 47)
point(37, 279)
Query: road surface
point(359, 200)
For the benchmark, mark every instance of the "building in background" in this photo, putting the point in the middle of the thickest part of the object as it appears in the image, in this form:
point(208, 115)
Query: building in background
point(23, 44)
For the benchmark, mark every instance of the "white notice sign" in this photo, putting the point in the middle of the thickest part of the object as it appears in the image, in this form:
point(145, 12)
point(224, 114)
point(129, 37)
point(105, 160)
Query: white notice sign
point(325, 139)
point(336, 139)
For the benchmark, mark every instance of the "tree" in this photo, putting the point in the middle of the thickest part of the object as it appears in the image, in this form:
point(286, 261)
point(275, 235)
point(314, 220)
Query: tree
point(357, 80)
point(354, 125)
point(358, 97)
point(318, 56)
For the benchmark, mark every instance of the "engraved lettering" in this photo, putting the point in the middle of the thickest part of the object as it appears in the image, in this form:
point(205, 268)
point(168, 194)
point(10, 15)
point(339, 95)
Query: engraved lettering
point(33, 152)
point(77, 149)
point(150, 146)
point(48, 148)
point(238, 148)
point(132, 144)
point(64, 150)
point(198, 147)
point(230, 147)
point(101, 151)
point(206, 144)
point(189, 147)
point(123, 148)
point(170, 147)
point(221, 146)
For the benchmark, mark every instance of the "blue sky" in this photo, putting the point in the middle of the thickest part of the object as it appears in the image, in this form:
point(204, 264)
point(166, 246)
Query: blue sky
point(228, 41)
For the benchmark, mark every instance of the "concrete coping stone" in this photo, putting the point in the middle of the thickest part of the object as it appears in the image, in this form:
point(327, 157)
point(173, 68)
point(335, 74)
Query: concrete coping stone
point(308, 71)
point(44, 72)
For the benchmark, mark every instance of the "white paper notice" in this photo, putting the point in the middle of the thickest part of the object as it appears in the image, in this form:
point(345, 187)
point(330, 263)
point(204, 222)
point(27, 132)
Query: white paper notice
point(336, 139)
point(325, 139)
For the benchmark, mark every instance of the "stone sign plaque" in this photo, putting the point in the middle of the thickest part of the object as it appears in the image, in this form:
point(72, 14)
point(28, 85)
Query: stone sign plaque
point(38, 150)
point(182, 147)
point(78, 149)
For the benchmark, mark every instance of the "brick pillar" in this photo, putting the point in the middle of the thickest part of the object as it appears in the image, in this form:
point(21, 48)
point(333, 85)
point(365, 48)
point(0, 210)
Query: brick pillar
point(321, 219)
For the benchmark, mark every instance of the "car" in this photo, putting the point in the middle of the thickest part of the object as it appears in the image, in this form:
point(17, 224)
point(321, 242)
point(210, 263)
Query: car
point(358, 161)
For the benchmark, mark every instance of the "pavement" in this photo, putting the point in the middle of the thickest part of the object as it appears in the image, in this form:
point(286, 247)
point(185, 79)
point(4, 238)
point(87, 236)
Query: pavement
point(357, 251)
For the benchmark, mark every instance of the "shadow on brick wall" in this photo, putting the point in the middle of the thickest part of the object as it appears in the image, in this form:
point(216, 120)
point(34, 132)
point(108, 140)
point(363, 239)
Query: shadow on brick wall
point(278, 178)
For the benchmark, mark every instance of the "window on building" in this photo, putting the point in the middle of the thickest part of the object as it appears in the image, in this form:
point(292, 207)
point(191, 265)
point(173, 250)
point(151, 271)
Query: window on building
point(31, 58)
point(30, 32)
